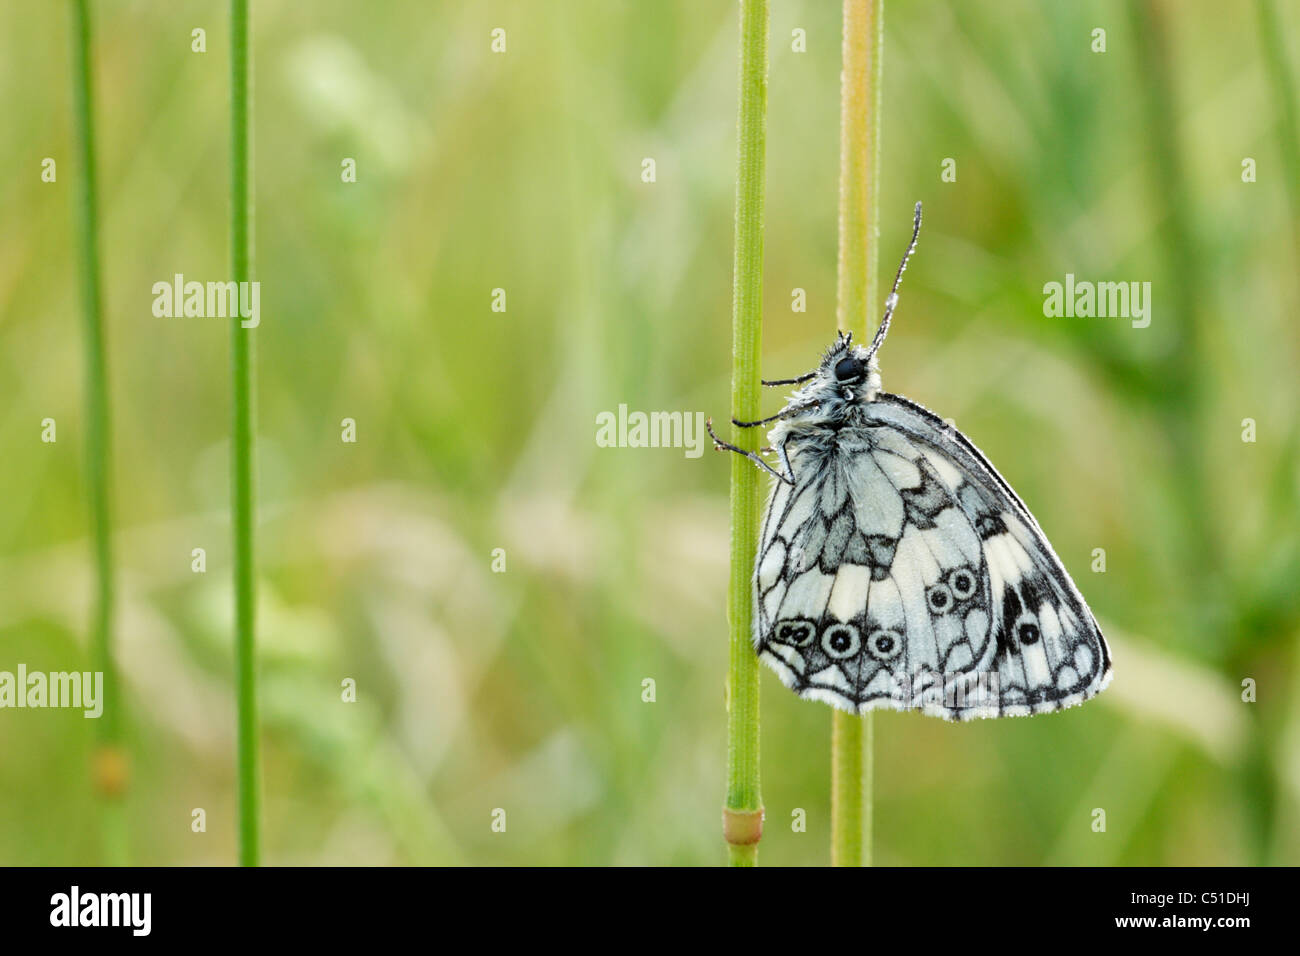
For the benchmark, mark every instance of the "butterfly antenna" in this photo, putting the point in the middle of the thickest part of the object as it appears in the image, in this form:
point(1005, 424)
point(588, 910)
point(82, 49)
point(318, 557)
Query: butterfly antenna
point(891, 303)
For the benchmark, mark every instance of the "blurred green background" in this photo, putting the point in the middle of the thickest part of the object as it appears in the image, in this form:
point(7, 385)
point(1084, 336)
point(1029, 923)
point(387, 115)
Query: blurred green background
point(522, 690)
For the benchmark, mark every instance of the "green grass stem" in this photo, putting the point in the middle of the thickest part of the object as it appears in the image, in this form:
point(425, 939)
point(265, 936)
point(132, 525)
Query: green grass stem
point(109, 763)
point(859, 221)
point(241, 445)
point(742, 814)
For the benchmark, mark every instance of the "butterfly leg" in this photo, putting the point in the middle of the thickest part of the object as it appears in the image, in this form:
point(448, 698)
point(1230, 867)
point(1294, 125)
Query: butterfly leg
point(721, 445)
point(785, 461)
point(788, 381)
point(784, 413)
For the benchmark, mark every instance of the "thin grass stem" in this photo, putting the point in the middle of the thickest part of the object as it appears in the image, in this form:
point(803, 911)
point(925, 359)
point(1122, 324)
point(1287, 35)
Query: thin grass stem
point(241, 442)
point(859, 225)
point(109, 770)
point(743, 813)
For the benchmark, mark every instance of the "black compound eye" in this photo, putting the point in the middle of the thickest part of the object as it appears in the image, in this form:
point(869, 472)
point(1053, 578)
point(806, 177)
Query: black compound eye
point(884, 645)
point(939, 598)
point(962, 583)
point(1027, 632)
point(841, 641)
point(849, 368)
point(797, 633)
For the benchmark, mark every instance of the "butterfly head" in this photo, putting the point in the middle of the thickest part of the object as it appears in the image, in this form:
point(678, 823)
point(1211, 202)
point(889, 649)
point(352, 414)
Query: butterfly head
point(847, 376)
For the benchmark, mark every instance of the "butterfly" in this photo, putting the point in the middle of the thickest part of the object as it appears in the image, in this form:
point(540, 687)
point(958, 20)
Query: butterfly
point(896, 568)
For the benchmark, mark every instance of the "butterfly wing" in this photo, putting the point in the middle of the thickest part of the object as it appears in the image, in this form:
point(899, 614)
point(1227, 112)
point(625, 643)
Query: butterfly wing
point(901, 571)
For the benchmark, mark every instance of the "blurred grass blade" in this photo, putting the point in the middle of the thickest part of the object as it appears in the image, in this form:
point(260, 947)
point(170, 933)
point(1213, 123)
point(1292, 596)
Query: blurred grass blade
point(1284, 88)
point(241, 451)
point(109, 770)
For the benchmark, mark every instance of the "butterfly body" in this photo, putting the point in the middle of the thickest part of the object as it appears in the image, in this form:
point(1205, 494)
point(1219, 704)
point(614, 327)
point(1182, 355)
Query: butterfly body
point(897, 569)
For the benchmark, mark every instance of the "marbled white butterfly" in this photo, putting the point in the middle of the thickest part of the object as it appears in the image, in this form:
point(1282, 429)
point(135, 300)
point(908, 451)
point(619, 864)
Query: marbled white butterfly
point(897, 569)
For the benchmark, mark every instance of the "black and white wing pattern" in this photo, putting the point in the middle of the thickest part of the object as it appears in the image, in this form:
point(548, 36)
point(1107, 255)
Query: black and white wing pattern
point(900, 571)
